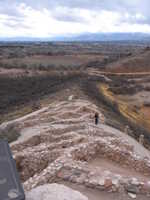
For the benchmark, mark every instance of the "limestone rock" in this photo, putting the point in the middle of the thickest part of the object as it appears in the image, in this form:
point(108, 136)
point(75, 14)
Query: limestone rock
point(108, 183)
point(54, 192)
point(132, 189)
point(70, 98)
point(133, 196)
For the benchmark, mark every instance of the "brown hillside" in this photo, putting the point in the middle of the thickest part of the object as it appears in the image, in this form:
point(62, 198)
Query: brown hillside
point(138, 63)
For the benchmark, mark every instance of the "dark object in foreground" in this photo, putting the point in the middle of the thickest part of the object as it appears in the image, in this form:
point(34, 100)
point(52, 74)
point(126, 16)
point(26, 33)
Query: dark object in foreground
point(10, 186)
point(96, 118)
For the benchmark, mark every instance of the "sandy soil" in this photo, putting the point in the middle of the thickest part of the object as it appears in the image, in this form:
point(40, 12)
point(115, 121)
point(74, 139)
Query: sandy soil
point(94, 194)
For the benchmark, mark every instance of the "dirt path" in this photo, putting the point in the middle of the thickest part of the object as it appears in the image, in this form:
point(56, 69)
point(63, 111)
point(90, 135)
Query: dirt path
point(95, 72)
point(94, 194)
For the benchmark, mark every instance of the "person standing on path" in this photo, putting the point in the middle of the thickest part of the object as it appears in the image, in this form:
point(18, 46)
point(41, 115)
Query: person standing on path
point(96, 118)
point(141, 139)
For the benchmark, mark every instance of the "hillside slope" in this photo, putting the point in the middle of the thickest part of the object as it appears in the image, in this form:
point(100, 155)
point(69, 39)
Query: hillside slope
point(134, 64)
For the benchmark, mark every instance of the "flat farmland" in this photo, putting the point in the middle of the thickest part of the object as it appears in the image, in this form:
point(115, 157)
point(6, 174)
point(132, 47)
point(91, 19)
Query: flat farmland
point(49, 61)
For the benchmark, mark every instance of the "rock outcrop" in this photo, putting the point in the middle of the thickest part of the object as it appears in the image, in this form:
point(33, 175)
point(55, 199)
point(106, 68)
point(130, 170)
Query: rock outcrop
point(54, 192)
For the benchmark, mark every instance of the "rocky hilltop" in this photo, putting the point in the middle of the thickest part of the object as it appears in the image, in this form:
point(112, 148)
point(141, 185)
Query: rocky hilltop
point(61, 144)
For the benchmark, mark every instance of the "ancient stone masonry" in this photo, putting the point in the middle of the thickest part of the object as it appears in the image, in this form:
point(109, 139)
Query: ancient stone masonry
point(73, 167)
point(63, 148)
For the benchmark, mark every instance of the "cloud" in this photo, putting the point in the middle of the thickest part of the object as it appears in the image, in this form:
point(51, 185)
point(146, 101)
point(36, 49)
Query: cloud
point(67, 14)
point(49, 18)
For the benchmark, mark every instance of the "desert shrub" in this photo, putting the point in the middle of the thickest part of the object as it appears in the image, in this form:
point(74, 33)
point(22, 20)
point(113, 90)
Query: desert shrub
point(147, 88)
point(129, 54)
point(146, 104)
point(23, 66)
point(121, 85)
point(147, 48)
point(10, 133)
point(23, 90)
point(36, 106)
point(126, 89)
point(114, 123)
point(5, 65)
point(40, 67)
point(92, 90)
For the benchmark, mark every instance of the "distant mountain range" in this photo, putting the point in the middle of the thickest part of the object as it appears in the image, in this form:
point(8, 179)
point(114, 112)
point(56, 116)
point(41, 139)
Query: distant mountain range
point(86, 37)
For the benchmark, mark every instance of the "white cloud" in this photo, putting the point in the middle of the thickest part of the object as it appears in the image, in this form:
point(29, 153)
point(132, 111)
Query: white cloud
point(63, 20)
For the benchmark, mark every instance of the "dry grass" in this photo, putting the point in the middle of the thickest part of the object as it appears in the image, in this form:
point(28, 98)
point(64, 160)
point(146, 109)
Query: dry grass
point(139, 115)
point(10, 133)
point(139, 63)
point(41, 61)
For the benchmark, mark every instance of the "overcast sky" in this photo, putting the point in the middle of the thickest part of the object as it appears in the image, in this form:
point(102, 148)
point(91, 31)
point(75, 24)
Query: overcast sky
point(46, 18)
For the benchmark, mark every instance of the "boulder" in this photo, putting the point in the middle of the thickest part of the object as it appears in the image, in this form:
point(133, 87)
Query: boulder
point(54, 192)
